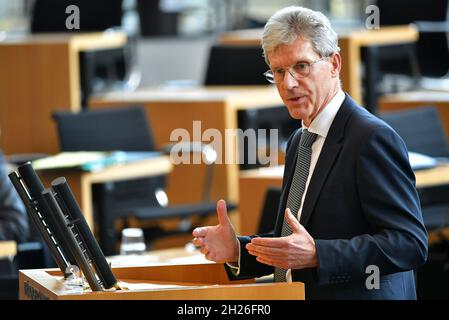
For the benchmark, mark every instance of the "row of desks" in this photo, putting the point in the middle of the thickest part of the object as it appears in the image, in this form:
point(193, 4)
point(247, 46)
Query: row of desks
point(254, 183)
point(40, 75)
point(351, 40)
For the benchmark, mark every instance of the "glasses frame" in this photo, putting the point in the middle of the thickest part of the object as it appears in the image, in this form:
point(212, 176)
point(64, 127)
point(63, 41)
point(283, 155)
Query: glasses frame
point(269, 75)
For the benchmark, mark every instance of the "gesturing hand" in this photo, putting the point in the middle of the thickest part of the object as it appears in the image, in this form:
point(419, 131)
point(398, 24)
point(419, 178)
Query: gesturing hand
point(218, 243)
point(296, 251)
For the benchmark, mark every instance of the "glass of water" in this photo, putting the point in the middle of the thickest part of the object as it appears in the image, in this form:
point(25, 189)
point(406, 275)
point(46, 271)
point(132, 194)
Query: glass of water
point(132, 242)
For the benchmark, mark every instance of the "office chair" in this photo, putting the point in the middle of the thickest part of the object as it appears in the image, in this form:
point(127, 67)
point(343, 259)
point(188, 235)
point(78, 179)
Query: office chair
point(235, 65)
point(102, 69)
point(126, 129)
point(421, 129)
point(30, 255)
point(245, 65)
point(429, 57)
point(422, 132)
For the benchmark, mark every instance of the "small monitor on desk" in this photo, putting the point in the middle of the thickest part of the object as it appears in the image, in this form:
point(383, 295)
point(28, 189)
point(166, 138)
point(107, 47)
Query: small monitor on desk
point(98, 15)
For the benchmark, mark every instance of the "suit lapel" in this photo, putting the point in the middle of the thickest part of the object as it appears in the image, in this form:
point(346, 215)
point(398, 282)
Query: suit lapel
point(291, 158)
point(331, 149)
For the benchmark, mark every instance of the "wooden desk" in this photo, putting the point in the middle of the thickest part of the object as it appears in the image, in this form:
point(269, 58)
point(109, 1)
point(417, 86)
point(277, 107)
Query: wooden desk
point(171, 256)
point(40, 74)
point(253, 186)
point(254, 183)
point(215, 107)
point(7, 249)
point(415, 99)
point(350, 42)
point(81, 181)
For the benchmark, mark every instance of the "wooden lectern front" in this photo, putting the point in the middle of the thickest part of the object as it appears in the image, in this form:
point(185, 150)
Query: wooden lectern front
point(184, 282)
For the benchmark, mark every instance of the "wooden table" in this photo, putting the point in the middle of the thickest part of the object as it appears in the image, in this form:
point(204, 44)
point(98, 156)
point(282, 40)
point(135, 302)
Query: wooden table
point(216, 108)
point(351, 40)
point(254, 183)
point(81, 181)
point(41, 74)
point(415, 99)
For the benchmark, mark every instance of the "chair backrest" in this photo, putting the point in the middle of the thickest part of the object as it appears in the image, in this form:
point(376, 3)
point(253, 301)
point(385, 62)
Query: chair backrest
point(399, 12)
point(235, 65)
point(421, 130)
point(432, 63)
point(99, 15)
point(109, 129)
point(270, 208)
point(100, 70)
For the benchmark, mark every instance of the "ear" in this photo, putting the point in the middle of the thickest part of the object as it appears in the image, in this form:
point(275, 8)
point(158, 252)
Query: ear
point(335, 60)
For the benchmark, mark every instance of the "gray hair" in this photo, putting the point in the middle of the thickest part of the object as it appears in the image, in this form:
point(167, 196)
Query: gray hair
point(289, 23)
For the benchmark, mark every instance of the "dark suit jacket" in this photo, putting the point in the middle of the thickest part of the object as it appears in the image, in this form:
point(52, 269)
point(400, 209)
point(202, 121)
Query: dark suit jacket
point(13, 217)
point(361, 208)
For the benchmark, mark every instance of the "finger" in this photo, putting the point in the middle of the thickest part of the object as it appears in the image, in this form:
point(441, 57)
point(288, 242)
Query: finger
point(222, 213)
point(198, 242)
point(265, 261)
point(199, 232)
point(269, 242)
point(204, 251)
point(209, 256)
point(292, 221)
point(266, 256)
point(261, 250)
point(273, 262)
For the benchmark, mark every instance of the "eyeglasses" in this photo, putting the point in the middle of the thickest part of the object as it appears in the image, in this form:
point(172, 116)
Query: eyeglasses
point(299, 70)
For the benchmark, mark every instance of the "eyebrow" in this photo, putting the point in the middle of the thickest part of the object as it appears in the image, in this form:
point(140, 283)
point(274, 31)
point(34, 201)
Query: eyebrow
point(298, 61)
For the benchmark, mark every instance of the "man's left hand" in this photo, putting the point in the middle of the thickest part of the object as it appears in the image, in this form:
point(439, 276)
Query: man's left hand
point(296, 251)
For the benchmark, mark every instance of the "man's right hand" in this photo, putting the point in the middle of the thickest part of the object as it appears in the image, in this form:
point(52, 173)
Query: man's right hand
point(218, 243)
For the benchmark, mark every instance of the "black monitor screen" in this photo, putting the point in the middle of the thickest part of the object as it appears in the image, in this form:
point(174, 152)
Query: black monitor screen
point(98, 15)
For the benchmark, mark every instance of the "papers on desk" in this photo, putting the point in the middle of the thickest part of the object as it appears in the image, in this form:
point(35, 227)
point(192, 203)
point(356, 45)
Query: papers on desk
point(420, 161)
point(436, 84)
point(68, 160)
point(89, 161)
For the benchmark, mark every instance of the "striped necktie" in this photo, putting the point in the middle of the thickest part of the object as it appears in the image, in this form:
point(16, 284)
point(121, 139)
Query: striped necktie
point(297, 188)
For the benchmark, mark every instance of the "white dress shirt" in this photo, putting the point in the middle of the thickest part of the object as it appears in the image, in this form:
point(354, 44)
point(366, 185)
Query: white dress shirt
point(320, 125)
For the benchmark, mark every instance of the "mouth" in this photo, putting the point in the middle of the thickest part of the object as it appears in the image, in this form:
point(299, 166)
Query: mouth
point(297, 99)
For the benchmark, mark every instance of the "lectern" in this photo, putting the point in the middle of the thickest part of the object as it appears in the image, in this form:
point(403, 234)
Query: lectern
point(57, 216)
point(206, 281)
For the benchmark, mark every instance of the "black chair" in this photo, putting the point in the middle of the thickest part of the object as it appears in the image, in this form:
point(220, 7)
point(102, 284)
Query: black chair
point(126, 129)
point(429, 57)
point(102, 69)
point(421, 129)
point(30, 255)
point(422, 132)
point(245, 65)
point(50, 16)
point(235, 65)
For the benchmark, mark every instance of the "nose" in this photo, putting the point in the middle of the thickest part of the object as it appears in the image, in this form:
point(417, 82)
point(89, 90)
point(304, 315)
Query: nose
point(289, 80)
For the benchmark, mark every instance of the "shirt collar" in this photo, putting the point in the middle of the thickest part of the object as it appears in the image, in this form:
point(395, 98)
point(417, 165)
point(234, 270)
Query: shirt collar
point(323, 121)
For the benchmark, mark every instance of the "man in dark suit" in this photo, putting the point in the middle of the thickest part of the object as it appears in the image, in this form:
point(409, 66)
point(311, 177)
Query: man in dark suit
point(349, 225)
point(13, 217)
